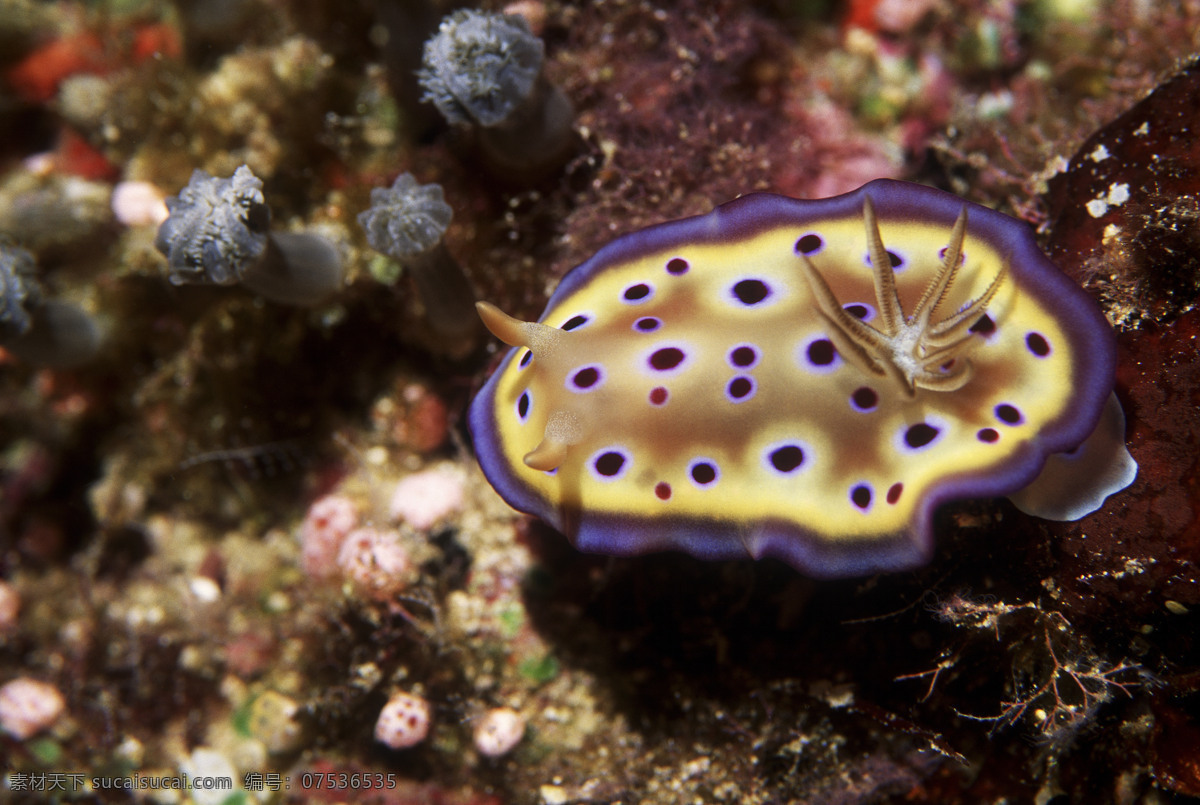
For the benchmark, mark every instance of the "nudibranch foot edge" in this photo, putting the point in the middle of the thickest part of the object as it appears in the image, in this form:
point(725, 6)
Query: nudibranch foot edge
point(713, 541)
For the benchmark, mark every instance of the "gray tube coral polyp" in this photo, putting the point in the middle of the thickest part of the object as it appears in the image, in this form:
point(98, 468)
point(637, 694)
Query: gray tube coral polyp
point(38, 330)
point(218, 232)
point(485, 70)
point(407, 221)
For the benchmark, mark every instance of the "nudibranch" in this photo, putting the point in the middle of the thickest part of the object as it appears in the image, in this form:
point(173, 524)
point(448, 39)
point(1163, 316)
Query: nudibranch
point(805, 379)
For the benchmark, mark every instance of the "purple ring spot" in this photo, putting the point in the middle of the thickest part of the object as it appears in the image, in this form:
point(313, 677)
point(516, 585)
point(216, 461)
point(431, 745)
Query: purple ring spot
point(589, 378)
point(637, 293)
point(860, 496)
point(858, 310)
point(703, 472)
point(609, 463)
point(988, 435)
point(983, 326)
point(750, 292)
point(525, 359)
point(818, 355)
point(962, 257)
point(786, 459)
point(920, 435)
point(809, 244)
point(677, 266)
point(647, 324)
point(740, 389)
point(1008, 414)
point(575, 322)
point(1037, 344)
point(896, 261)
point(864, 399)
point(523, 404)
point(666, 358)
point(821, 352)
point(743, 356)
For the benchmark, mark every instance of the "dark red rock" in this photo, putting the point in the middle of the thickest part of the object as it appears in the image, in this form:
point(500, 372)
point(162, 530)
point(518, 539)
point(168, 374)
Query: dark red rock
point(1125, 222)
point(1126, 209)
point(1143, 546)
point(1176, 750)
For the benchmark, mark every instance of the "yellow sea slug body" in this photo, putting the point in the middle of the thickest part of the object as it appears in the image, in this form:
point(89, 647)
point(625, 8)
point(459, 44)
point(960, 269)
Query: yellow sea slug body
point(802, 379)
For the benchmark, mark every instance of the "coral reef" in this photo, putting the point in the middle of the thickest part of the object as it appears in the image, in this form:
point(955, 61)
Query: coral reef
point(173, 511)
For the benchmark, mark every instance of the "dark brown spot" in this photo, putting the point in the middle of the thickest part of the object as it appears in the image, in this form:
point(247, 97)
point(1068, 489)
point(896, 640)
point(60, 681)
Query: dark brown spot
point(635, 292)
point(864, 398)
point(894, 492)
point(739, 387)
point(920, 435)
point(821, 352)
point(666, 358)
point(751, 292)
point(743, 356)
point(1037, 344)
point(787, 458)
point(609, 464)
point(809, 244)
point(658, 395)
point(983, 325)
point(1008, 414)
point(662, 490)
point(586, 378)
point(893, 259)
point(704, 473)
point(861, 496)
